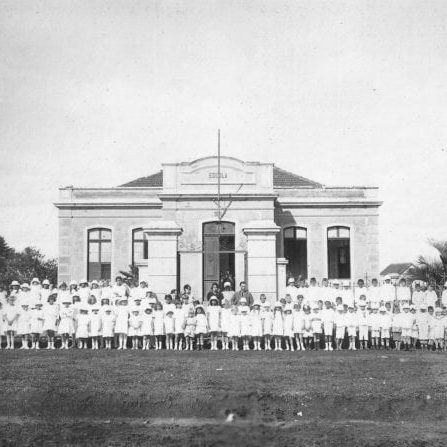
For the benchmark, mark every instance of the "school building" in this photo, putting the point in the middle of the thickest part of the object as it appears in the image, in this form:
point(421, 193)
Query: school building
point(273, 224)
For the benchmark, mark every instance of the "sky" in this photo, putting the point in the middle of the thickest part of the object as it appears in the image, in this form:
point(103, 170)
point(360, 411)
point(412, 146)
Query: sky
point(97, 93)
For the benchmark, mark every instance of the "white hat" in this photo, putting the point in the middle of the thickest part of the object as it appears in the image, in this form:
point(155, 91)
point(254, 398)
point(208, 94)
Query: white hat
point(335, 281)
point(406, 306)
point(35, 280)
point(227, 284)
point(422, 306)
point(46, 282)
point(213, 298)
point(15, 283)
point(290, 280)
point(340, 307)
point(362, 303)
point(256, 303)
point(244, 308)
point(73, 283)
point(438, 309)
point(382, 309)
point(387, 277)
point(84, 281)
point(53, 292)
point(95, 282)
point(288, 307)
point(412, 307)
point(243, 299)
point(25, 285)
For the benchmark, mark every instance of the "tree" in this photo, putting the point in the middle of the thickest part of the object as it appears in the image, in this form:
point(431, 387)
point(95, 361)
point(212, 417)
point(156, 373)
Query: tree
point(432, 271)
point(24, 266)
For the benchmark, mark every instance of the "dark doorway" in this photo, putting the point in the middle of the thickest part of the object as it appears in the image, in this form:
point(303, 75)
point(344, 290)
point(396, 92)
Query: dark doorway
point(295, 250)
point(218, 252)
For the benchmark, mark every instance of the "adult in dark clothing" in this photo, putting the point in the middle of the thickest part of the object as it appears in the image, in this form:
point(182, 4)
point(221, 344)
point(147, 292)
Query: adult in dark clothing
point(243, 292)
point(215, 292)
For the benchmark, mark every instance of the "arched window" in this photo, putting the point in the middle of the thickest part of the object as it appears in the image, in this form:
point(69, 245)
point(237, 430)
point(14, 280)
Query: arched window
point(339, 252)
point(99, 259)
point(295, 250)
point(139, 246)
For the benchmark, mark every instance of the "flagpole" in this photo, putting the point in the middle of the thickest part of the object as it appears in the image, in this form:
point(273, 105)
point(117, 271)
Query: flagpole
point(218, 176)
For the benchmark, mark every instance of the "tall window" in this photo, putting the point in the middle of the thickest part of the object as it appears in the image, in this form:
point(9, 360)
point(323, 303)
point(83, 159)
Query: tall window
point(139, 246)
point(295, 250)
point(99, 254)
point(339, 252)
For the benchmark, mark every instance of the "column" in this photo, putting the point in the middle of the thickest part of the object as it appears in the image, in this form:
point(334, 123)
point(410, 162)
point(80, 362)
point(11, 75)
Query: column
point(261, 258)
point(281, 274)
point(161, 273)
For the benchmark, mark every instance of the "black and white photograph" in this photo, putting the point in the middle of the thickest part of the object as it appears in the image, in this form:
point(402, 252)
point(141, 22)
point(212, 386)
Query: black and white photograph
point(223, 223)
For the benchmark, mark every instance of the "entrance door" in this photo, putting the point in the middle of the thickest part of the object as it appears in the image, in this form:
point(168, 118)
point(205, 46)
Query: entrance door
point(218, 252)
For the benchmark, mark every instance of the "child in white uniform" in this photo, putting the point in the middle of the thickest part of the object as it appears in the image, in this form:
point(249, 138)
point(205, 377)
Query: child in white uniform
point(245, 326)
point(438, 329)
point(298, 324)
point(24, 325)
point(214, 314)
point(374, 323)
point(422, 323)
point(179, 320)
point(189, 327)
point(362, 320)
point(317, 326)
point(288, 327)
point(406, 321)
point(82, 327)
point(121, 322)
point(147, 328)
point(256, 326)
point(95, 328)
point(225, 323)
point(169, 323)
point(65, 328)
point(234, 330)
point(107, 325)
point(396, 326)
point(327, 318)
point(267, 321)
point(340, 326)
point(11, 316)
point(134, 331)
point(159, 326)
point(278, 326)
point(51, 316)
point(308, 334)
point(351, 326)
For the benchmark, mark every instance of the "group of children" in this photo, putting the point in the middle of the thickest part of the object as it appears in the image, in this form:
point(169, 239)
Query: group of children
point(90, 316)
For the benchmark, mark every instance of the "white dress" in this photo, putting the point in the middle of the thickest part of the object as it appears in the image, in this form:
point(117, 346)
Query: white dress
point(83, 321)
point(327, 317)
point(278, 324)
point(108, 323)
point(135, 323)
point(169, 323)
point(66, 323)
point(288, 324)
point(95, 324)
point(179, 320)
point(438, 328)
point(51, 314)
point(24, 323)
point(245, 324)
point(317, 324)
point(267, 319)
point(214, 318)
point(225, 319)
point(298, 322)
point(11, 315)
point(256, 323)
point(159, 327)
point(122, 320)
point(202, 324)
point(147, 326)
point(234, 329)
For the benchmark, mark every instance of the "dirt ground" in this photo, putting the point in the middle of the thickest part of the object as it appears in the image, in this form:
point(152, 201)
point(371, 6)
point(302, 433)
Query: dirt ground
point(374, 398)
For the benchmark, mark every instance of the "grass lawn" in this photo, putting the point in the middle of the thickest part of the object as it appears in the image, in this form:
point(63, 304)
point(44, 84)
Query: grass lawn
point(183, 398)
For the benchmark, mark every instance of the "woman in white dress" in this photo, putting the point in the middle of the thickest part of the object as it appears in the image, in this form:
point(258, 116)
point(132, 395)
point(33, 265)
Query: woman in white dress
point(267, 321)
point(288, 327)
point(11, 317)
point(179, 320)
point(214, 317)
point(234, 330)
